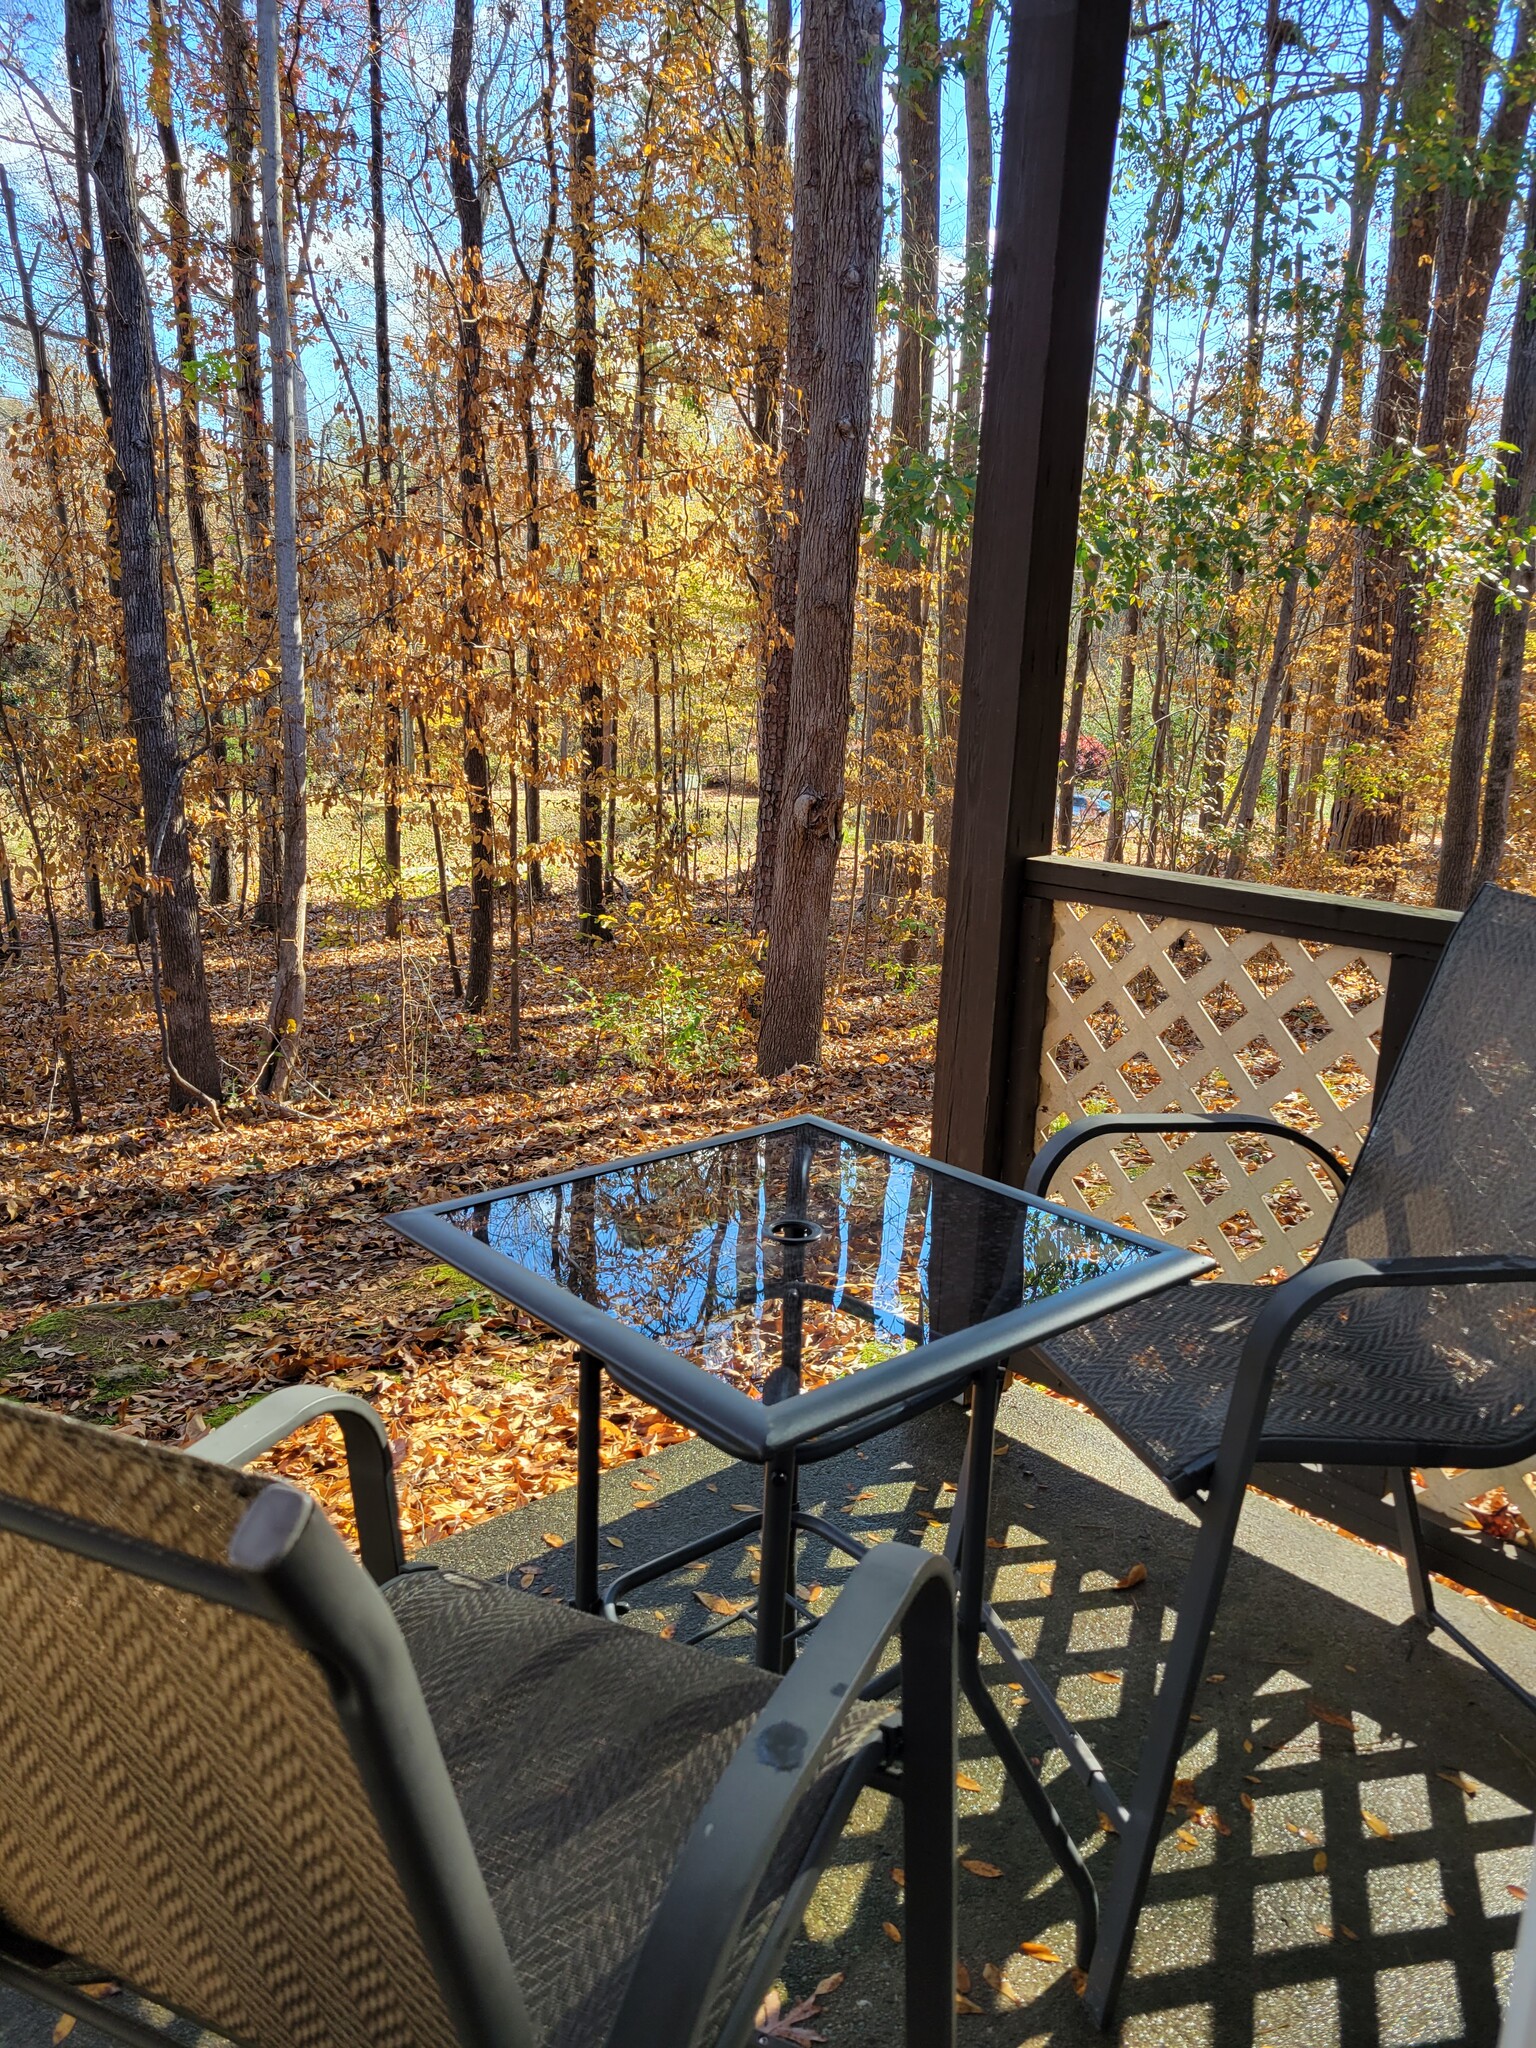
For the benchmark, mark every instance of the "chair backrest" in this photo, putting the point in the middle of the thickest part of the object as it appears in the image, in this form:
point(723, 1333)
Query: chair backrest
point(1449, 1161)
point(181, 1806)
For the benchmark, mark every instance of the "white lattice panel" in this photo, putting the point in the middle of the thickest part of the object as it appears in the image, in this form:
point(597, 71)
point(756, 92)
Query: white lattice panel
point(1158, 1013)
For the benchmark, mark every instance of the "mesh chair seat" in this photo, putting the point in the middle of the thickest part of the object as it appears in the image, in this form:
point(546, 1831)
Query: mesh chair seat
point(577, 1838)
point(1387, 1378)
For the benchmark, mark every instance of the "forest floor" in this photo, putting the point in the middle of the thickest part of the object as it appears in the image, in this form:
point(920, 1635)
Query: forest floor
point(159, 1272)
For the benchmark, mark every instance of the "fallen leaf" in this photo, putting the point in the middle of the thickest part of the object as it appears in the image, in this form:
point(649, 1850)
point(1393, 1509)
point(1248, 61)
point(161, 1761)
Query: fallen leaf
point(898, 1875)
point(1320, 1861)
point(1000, 1984)
point(1516, 1891)
point(966, 1782)
point(717, 1602)
point(977, 1868)
point(1348, 1933)
point(892, 1931)
point(962, 1977)
point(1040, 1950)
point(1334, 1720)
point(1376, 1824)
point(617, 1542)
point(1183, 1794)
point(1136, 1576)
point(1217, 1678)
point(1247, 1746)
point(1461, 1781)
point(964, 2004)
point(830, 1984)
point(63, 2026)
point(1079, 1980)
point(1107, 1826)
point(1321, 1927)
point(1187, 1840)
point(1247, 1802)
point(1043, 1568)
point(554, 1542)
point(1105, 1677)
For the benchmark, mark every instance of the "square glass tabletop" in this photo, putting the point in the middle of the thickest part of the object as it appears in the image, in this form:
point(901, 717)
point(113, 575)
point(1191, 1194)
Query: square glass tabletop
point(784, 1280)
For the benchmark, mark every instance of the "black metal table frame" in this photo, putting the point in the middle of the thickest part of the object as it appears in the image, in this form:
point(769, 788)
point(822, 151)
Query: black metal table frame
point(817, 1425)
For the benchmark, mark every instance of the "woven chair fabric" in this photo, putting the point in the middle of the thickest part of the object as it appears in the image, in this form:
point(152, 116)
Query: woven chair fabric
point(1448, 1166)
point(178, 1804)
point(582, 1753)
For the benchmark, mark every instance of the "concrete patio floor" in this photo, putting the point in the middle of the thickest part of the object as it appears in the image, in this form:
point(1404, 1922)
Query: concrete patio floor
point(1297, 1923)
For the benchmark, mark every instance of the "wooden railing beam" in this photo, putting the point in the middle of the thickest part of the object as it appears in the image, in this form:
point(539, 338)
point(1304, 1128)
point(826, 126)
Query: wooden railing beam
point(1066, 71)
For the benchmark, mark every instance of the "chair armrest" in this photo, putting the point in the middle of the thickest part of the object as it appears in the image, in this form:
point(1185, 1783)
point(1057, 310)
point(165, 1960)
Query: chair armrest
point(1294, 1300)
point(895, 1588)
point(370, 1464)
point(1043, 1166)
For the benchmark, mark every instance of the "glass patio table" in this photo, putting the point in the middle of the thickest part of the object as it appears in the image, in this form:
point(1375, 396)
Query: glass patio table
point(788, 1292)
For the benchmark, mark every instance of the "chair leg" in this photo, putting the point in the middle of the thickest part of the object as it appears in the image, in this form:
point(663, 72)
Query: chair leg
point(928, 1816)
point(1199, 1598)
point(1410, 1537)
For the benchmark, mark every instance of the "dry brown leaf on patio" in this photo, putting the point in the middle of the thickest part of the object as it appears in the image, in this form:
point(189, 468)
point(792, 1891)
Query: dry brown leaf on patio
point(1183, 1794)
point(1376, 1824)
point(962, 1977)
point(1136, 1576)
point(830, 1984)
point(1321, 1927)
point(1107, 1826)
point(1000, 1984)
point(1079, 1980)
point(1516, 1891)
point(1187, 1840)
point(1348, 1933)
point(554, 1542)
point(1043, 1567)
point(1333, 1718)
point(964, 2004)
point(1217, 1678)
point(1247, 1801)
point(1105, 1677)
point(892, 1931)
point(977, 1868)
point(1461, 1781)
point(617, 1542)
point(966, 1782)
point(1320, 1861)
point(1041, 1951)
point(898, 1875)
point(717, 1602)
point(63, 2026)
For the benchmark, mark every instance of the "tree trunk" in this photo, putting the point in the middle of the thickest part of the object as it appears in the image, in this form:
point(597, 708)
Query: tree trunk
point(237, 61)
point(532, 340)
point(781, 425)
point(464, 176)
point(285, 1019)
point(1486, 634)
point(580, 67)
point(1125, 713)
point(834, 274)
point(967, 428)
point(1505, 741)
point(896, 687)
point(10, 924)
point(189, 424)
point(1072, 735)
point(1352, 287)
point(191, 1056)
point(1417, 194)
point(394, 709)
point(1224, 692)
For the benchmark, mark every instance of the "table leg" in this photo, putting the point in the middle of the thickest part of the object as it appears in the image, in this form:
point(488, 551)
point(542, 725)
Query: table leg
point(976, 1479)
point(776, 1567)
point(589, 1420)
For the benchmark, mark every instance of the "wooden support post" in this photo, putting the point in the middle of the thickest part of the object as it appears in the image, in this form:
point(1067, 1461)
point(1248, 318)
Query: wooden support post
point(1066, 70)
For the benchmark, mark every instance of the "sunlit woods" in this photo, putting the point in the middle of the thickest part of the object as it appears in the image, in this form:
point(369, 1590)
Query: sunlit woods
point(533, 668)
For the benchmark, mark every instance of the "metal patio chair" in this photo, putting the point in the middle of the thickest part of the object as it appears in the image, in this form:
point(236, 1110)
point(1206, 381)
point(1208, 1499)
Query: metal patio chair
point(1410, 1340)
point(312, 1808)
